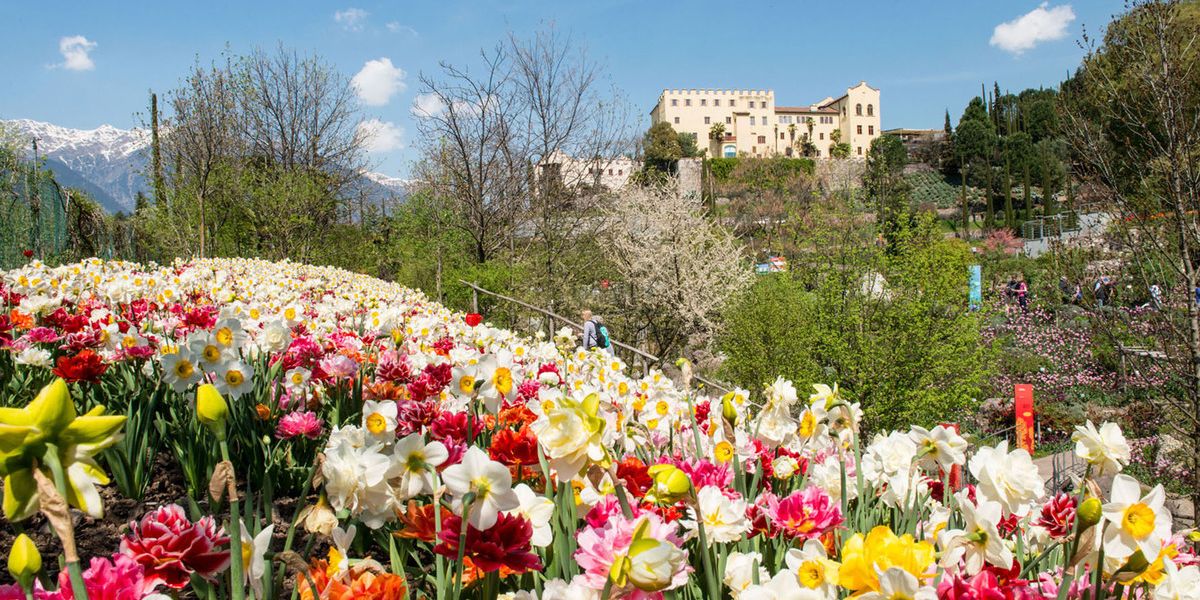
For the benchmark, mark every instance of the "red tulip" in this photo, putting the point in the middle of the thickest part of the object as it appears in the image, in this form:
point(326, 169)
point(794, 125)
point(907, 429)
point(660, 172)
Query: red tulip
point(474, 319)
point(171, 548)
point(28, 253)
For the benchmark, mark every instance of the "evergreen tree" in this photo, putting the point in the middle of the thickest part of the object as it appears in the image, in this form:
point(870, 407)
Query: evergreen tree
point(160, 188)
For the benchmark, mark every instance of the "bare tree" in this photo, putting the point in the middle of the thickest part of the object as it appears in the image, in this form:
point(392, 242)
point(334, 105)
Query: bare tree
point(575, 123)
point(680, 266)
point(300, 113)
point(472, 159)
point(1132, 120)
point(202, 135)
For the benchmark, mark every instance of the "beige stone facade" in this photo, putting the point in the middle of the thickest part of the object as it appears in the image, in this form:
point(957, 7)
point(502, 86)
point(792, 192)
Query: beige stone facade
point(753, 125)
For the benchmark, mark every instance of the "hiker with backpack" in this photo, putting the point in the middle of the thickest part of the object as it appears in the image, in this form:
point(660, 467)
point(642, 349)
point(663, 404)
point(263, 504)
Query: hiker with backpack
point(595, 334)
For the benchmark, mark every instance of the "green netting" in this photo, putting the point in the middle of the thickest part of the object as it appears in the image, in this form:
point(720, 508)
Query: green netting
point(33, 216)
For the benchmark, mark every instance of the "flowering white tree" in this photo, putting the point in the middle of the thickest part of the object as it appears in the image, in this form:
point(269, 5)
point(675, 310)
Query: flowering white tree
point(680, 266)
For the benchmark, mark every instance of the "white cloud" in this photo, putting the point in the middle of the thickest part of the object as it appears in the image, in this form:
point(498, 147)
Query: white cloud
point(76, 52)
point(427, 105)
point(1037, 26)
point(398, 27)
point(381, 136)
point(378, 81)
point(351, 19)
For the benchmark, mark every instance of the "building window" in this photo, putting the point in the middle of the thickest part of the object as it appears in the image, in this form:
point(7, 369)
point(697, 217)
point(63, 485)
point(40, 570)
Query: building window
point(860, 150)
point(620, 171)
point(858, 109)
point(762, 139)
point(822, 135)
point(751, 120)
point(610, 171)
point(781, 135)
point(859, 130)
point(674, 103)
point(870, 110)
point(706, 120)
point(870, 129)
point(729, 120)
point(732, 103)
point(730, 151)
point(688, 102)
point(751, 104)
point(676, 120)
point(703, 102)
point(716, 102)
point(818, 153)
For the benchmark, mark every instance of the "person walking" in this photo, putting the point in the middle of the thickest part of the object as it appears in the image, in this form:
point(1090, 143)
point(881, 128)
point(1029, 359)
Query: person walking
point(589, 330)
point(602, 340)
point(1023, 295)
point(1103, 291)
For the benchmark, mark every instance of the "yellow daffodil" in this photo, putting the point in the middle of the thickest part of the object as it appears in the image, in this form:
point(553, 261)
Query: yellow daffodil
point(27, 436)
point(863, 558)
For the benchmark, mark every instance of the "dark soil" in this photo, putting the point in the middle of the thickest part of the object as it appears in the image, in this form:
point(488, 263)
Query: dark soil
point(99, 537)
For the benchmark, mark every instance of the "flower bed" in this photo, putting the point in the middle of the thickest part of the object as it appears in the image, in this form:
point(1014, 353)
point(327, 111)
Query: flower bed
point(373, 444)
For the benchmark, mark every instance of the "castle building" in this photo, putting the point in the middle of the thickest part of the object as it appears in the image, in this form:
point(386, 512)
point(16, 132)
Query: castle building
point(733, 123)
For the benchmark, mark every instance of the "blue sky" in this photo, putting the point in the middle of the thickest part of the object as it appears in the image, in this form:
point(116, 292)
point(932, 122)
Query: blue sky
point(83, 64)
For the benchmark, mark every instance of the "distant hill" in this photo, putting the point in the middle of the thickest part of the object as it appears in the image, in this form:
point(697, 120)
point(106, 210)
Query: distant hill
point(110, 163)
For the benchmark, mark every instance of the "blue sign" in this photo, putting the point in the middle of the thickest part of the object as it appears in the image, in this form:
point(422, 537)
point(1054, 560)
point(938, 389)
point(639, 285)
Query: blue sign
point(976, 291)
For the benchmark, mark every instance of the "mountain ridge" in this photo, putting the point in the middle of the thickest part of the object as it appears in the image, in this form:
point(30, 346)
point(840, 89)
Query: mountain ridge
point(110, 163)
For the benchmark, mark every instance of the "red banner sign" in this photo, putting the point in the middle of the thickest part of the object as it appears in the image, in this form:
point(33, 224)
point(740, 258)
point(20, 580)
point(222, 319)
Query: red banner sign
point(1023, 408)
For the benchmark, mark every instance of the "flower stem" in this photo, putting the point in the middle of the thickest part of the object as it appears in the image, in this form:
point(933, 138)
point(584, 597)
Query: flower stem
point(78, 589)
point(235, 537)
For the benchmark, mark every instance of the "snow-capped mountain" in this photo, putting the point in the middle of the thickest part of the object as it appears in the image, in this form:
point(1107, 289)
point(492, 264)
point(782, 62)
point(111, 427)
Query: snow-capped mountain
point(107, 162)
point(110, 163)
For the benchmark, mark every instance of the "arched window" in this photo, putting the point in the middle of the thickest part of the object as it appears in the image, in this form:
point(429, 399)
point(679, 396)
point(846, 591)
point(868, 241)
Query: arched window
point(870, 110)
point(858, 109)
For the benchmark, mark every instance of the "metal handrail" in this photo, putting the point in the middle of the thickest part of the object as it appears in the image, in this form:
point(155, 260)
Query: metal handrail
point(553, 315)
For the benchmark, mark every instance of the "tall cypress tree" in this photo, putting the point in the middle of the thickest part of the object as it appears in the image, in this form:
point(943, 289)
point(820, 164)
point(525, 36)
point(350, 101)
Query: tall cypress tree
point(156, 153)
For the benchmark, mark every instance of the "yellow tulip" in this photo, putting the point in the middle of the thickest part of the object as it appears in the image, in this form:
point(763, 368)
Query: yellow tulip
point(24, 560)
point(670, 484)
point(211, 409)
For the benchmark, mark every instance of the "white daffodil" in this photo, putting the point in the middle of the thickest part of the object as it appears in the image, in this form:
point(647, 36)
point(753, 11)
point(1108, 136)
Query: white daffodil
point(1135, 522)
point(275, 336)
point(781, 393)
point(740, 568)
point(379, 420)
point(1009, 478)
point(296, 380)
point(979, 541)
point(229, 333)
point(254, 557)
point(940, 448)
point(490, 482)
point(538, 510)
point(724, 518)
point(898, 584)
point(465, 378)
point(235, 379)
point(417, 463)
point(499, 384)
point(1104, 448)
point(1178, 584)
point(211, 355)
point(356, 480)
point(179, 370)
point(813, 569)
